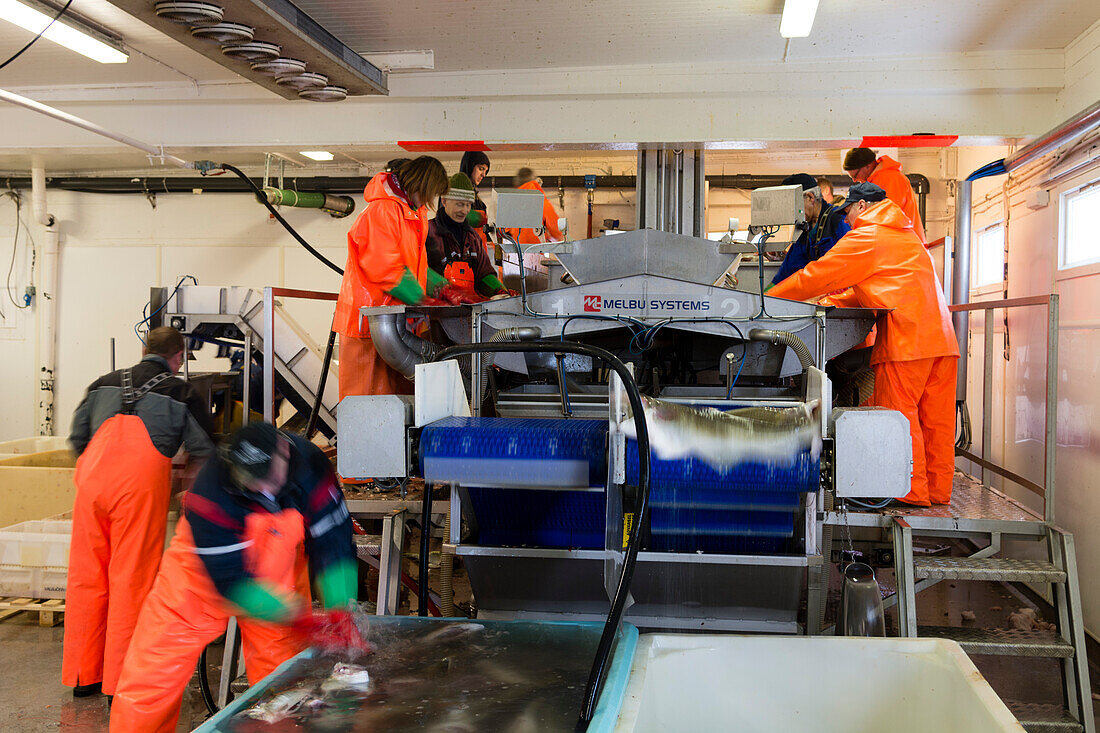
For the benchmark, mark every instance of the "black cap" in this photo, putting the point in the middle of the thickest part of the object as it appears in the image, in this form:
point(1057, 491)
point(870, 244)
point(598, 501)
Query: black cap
point(801, 179)
point(858, 157)
point(249, 451)
point(868, 192)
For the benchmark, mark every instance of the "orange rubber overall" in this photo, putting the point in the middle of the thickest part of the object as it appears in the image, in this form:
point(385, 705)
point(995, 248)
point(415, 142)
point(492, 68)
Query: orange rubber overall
point(123, 485)
point(882, 263)
point(184, 613)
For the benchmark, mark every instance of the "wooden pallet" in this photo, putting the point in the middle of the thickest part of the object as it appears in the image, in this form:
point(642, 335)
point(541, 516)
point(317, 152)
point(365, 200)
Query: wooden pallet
point(50, 612)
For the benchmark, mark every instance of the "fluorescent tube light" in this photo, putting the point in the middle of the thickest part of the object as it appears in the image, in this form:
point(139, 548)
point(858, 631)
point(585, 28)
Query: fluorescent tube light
point(317, 154)
point(64, 32)
point(798, 18)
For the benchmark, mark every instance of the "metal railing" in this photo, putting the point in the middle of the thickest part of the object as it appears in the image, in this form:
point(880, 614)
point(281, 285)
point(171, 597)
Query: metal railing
point(270, 294)
point(1046, 488)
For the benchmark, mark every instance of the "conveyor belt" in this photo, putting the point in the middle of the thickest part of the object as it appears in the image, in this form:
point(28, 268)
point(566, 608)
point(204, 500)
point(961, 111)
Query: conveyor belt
point(749, 507)
point(539, 453)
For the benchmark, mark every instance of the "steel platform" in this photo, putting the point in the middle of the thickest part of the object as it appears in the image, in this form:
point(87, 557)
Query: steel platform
point(973, 508)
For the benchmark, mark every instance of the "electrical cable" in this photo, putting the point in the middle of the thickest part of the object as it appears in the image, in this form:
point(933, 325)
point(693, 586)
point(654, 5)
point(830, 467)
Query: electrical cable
point(729, 392)
point(167, 300)
point(11, 266)
point(865, 505)
point(30, 43)
point(204, 684)
point(600, 663)
point(279, 217)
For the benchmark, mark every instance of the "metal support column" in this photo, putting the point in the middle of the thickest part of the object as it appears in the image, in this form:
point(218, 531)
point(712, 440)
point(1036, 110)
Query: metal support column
point(960, 276)
point(903, 570)
point(269, 355)
point(671, 190)
point(1067, 596)
point(246, 396)
point(231, 659)
point(389, 562)
point(987, 396)
point(1050, 436)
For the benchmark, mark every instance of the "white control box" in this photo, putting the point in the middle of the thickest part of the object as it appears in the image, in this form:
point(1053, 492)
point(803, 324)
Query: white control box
point(873, 452)
point(519, 209)
point(777, 206)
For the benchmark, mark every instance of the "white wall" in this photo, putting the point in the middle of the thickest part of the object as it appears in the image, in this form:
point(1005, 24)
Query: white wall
point(1019, 381)
point(113, 248)
point(1082, 73)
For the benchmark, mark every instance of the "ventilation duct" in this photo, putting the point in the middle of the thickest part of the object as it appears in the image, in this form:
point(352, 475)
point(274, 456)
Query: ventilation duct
point(224, 32)
point(308, 80)
point(280, 67)
point(283, 27)
point(326, 94)
point(253, 52)
point(189, 13)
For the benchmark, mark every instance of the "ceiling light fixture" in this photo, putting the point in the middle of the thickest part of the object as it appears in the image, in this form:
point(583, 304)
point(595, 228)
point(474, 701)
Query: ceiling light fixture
point(318, 155)
point(66, 32)
point(402, 60)
point(798, 18)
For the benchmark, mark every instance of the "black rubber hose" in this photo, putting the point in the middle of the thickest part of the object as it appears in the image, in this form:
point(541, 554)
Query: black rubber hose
point(425, 546)
point(279, 217)
point(618, 604)
point(204, 684)
point(311, 426)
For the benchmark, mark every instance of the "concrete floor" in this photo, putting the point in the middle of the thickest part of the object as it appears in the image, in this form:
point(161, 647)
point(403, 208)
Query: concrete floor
point(33, 699)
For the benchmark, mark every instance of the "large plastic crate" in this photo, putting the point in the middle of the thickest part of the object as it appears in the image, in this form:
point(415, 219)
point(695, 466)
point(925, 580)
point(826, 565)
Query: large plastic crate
point(538, 518)
point(34, 558)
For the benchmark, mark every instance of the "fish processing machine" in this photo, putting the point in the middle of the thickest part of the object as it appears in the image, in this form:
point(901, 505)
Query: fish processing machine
point(542, 461)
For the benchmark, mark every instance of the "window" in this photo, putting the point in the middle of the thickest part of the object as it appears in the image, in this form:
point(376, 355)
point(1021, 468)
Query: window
point(989, 257)
point(1080, 213)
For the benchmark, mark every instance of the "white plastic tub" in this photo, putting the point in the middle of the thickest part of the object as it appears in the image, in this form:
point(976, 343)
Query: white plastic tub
point(755, 684)
point(34, 558)
point(23, 446)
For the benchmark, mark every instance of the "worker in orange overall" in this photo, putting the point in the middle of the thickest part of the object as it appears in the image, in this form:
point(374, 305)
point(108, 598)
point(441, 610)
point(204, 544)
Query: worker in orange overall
point(862, 166)
point(552, 226)
point(125, 432)
point(386, 265)
point(235, 553)
point(882, 264)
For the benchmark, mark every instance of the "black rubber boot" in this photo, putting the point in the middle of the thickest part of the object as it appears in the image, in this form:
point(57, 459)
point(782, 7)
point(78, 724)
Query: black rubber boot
point(87, 690)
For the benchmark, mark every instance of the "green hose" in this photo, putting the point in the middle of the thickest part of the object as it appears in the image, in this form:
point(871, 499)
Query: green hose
point(336, 206)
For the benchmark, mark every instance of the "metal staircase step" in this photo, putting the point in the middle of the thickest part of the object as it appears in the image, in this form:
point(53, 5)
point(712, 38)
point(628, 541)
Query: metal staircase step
point(1036, 718)
point(1009, 642)
point(987, 568)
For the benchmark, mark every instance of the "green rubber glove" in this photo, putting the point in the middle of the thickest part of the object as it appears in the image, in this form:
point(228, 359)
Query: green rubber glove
point(262, 601)
point(436, 282)
point(338, 583)
point(492, 283)
point(408, 290)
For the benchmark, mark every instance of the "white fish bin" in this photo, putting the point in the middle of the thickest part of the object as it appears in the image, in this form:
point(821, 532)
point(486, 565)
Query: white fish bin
point(756, 684)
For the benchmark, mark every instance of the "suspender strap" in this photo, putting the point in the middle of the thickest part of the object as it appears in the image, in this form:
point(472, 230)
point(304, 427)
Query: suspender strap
point(131, 396)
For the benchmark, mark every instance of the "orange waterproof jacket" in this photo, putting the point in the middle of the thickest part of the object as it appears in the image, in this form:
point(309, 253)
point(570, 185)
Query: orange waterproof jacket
point(549, 220)
point(888, 176)
point(882, 264)
point(387, 238)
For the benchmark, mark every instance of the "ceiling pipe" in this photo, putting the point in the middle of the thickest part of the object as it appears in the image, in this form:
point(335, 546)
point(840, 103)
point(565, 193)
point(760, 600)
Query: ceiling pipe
point(157, 152)
point(1068, 131)
point(45, 301)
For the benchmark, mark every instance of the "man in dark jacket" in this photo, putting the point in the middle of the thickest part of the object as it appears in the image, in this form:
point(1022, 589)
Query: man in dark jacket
point(825, 225)
point(454, 249)
point(125, 432)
